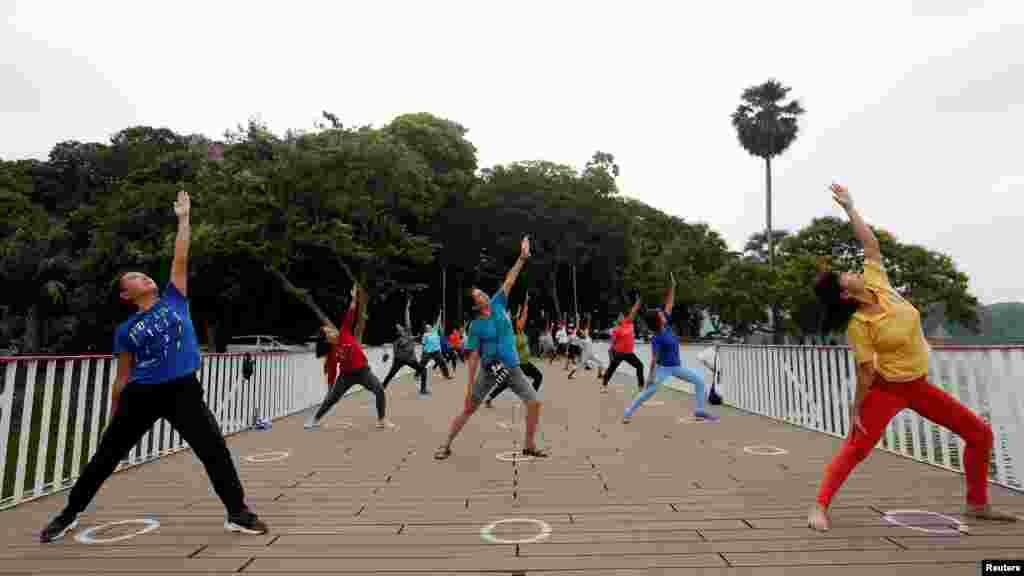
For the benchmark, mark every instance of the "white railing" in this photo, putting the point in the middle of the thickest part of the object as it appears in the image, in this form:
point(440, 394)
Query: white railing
point(54, 409)
point(813, 386)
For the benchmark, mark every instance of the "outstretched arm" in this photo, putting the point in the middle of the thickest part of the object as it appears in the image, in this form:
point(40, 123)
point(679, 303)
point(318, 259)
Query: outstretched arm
point(521, 321)
point(872, 251)
point(179, 268)
point(635, 308)
point(350, 315)
point(408, 319)
point(510, 278)
point(671, 296)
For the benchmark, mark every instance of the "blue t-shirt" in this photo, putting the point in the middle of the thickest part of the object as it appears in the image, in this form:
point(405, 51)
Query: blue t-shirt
point(494, 335)
point(431, 342)
point(162, 340)
point(666, 345)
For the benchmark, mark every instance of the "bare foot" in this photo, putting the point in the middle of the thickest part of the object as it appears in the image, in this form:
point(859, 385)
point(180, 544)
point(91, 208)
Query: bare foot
point(818, 519)
point(987, 513)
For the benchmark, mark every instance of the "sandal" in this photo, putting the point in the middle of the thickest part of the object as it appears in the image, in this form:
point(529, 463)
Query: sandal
point(443, 453)
point(536, 452)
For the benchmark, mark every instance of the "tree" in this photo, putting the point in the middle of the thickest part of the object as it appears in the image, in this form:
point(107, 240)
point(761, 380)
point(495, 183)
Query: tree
point(766, 126)
point(757, 247)
point(739, 297)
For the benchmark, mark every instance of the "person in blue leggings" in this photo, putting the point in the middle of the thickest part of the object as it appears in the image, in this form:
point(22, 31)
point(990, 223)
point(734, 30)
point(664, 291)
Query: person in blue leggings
point(665, 360)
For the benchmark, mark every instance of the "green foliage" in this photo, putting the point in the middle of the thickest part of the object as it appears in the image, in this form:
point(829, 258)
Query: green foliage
point(279, 221)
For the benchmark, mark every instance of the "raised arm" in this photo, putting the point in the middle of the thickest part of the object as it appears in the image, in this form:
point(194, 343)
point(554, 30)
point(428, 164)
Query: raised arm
point(671, 296)
point(408, 319)
point(350, 315)
point(872, 251)
point(179, 267)
point(635, 308)
point(521, 320)
point(510, 278)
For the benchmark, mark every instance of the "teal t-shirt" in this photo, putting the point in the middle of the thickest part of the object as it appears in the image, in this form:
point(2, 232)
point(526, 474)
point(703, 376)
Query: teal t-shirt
point(494, 335)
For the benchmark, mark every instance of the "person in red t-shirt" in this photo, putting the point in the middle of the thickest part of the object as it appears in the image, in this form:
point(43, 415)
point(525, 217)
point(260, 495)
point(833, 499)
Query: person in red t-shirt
point(347, 364)
point(623, 345)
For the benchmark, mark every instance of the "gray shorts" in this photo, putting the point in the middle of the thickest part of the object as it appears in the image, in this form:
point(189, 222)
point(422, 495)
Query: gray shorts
point(517, 383)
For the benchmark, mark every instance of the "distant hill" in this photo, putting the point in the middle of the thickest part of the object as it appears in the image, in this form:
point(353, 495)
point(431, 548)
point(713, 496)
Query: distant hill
point(1001, 323)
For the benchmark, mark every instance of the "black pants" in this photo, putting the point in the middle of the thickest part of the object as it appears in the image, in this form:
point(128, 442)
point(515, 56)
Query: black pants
point(362, 376)
point(629, 358)
point(397, 365)
point(531, 372)
point(181, 403)
point(451, 356)
point(438, 361)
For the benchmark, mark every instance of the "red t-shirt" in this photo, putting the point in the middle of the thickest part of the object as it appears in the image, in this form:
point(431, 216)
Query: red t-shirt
point(623, 339)
point(347, 354)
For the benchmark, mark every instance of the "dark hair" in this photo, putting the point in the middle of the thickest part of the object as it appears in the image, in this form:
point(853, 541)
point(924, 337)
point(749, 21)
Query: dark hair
point(123, 307)
point(836, 311)
point(652, 320)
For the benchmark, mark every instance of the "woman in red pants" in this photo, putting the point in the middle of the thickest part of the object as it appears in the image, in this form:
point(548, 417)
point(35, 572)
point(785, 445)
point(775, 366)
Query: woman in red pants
point(884, 333)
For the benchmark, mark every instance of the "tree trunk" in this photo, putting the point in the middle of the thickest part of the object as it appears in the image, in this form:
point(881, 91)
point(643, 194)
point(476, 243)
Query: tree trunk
point(459, 301)
point(301, 294)
point(776, 329)
point(30, 341)
point(553, 286)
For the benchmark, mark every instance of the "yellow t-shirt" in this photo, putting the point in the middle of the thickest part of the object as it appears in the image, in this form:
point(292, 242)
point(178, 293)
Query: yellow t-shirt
point(892, 339)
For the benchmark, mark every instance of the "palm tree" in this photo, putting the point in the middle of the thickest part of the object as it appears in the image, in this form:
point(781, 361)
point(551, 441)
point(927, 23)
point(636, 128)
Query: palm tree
point(766, 126)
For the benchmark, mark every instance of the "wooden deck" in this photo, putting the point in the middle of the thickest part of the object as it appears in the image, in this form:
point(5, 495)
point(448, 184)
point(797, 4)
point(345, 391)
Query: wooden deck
point(656, 496)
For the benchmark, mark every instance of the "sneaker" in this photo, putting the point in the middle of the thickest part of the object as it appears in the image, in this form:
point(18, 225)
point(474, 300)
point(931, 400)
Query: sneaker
point(245, 522)
point(706, 416)
point(386, 424)
point(626, 419)
point(57, 528)
point(311, 425)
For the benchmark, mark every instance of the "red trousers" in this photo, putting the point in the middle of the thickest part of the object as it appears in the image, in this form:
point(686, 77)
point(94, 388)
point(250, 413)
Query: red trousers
point(883, 401)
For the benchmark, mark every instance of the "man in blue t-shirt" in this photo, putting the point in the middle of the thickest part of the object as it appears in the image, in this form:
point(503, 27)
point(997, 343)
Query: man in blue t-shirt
point(665, 359)
point(492, 346)
point(157, 360)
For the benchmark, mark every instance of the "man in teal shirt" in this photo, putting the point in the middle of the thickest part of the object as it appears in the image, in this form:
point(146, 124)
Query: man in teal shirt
point(492, 343)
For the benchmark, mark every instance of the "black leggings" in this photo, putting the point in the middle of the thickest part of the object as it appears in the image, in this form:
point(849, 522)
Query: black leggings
point(531, 372)
point(629, 358)
point(397, 365)
point(438, 361)
point(347, 380)
point(181, 403)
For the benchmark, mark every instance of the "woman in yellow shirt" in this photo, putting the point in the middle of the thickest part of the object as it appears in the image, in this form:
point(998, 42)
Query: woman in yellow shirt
point(888, 344)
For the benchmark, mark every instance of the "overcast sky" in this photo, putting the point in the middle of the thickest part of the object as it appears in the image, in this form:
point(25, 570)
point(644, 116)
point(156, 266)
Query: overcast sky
point(917, 105)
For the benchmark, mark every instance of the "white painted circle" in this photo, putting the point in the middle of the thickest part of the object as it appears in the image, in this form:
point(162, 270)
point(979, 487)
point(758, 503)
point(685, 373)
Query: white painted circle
point(695, 420)
point(961, 528)
point(268, 457)
point(762, 450)
point(86, 536)
point(513, 456)
point(487, 532)
point(655, 403)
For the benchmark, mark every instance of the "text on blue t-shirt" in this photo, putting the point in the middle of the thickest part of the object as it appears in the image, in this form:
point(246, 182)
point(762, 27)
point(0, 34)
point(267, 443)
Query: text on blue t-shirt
point(162, 340)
